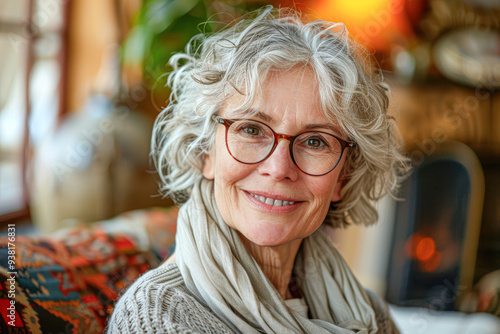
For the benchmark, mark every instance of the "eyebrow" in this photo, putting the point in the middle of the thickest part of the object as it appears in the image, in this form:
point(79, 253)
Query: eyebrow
point(258, 114)
point(325, 126)
point(308, 127)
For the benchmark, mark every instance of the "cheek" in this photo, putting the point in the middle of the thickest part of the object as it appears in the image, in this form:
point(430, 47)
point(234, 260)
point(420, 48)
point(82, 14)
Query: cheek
point(229, 178)
point(227, 170)
point(228, 174)
point(325, 189)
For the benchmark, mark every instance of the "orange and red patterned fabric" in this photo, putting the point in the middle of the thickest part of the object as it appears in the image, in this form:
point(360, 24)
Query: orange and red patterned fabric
point(68, 282)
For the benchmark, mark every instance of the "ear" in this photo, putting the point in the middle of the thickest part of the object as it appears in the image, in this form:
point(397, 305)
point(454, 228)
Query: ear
point(338, 187)
point(208, 169)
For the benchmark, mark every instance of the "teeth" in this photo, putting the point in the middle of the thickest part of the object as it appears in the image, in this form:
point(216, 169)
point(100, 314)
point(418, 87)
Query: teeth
point(271, 201)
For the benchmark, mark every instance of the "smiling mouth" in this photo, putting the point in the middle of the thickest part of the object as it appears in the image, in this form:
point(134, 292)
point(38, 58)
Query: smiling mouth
point(272, 201)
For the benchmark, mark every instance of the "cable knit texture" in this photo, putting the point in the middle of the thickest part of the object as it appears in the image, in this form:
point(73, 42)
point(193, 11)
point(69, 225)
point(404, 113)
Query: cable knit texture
point(159, 302)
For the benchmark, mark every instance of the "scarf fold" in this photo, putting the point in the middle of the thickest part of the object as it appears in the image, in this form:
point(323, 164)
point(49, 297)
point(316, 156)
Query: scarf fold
point(222, 274)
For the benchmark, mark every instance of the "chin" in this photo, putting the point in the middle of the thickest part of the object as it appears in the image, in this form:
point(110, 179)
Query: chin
point(268, 236)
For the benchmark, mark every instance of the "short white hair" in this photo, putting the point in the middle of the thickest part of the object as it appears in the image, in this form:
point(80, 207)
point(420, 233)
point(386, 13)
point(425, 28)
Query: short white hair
point(236, 60)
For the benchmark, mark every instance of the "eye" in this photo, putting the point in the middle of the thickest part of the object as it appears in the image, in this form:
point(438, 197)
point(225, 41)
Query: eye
point(315, 142)
point(251, 130)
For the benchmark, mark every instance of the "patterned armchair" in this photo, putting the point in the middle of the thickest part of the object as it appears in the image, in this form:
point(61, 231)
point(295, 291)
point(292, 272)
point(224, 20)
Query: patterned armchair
point(68, 282)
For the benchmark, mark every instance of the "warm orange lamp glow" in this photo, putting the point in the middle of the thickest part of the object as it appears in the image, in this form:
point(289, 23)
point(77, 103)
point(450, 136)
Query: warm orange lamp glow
point(432, 263)
point(373, 23)
point(425, 249)
point(411, 245)
point(354, 12)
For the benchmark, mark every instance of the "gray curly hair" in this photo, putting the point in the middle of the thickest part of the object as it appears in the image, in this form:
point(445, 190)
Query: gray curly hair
point(236, 60)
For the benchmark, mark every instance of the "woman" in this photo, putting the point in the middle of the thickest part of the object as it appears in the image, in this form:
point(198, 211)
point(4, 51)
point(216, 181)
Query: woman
point(274, 128)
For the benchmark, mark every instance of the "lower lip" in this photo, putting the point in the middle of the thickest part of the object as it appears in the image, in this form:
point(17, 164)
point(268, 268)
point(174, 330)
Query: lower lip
point(272, 208)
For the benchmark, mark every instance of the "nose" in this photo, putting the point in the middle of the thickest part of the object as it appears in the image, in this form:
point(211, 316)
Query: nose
point(279, 164)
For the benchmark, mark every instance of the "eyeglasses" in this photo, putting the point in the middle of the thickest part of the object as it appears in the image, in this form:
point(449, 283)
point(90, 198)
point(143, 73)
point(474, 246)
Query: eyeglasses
point(313, 152)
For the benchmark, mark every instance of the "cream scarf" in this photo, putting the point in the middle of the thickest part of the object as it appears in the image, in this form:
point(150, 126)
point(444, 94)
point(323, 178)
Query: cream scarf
point(220, 272)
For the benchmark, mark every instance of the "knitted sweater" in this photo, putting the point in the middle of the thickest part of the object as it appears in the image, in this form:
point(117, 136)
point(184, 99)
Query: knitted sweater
point(159, 302)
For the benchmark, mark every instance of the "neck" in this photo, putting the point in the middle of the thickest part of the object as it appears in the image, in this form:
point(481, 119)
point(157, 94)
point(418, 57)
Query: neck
point(276, 262)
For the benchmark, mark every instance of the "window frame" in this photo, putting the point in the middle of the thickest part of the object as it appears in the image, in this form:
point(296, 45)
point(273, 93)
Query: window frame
point(23, 214)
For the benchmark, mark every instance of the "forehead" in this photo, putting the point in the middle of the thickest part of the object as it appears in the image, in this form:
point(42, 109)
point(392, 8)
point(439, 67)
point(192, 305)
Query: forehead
point(280, 89)
point(288, 98)
point(289, 90)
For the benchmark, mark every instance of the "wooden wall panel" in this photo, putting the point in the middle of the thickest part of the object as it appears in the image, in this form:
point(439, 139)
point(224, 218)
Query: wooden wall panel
point(431, 114)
